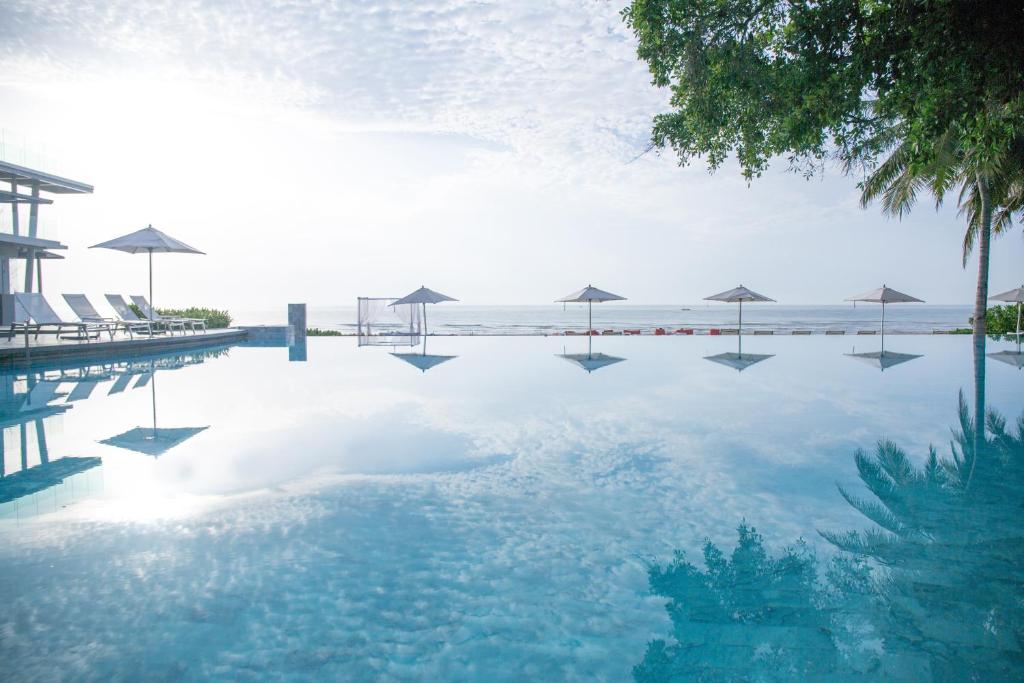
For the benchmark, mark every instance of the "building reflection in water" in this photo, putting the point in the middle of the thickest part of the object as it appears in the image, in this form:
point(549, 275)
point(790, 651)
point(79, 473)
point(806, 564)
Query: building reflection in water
point(32, 478)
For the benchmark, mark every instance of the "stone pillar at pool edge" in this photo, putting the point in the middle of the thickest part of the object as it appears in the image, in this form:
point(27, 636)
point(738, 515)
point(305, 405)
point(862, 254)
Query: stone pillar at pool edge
point(297, 332)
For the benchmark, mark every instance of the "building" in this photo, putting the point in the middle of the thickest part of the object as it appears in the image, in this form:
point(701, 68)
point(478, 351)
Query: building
point(27, 187)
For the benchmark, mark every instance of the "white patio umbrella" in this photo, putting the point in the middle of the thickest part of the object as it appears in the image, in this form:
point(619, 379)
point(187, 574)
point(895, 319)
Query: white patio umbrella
point(590, 294)
point(1013, 296)
point(738, 294)
point(885, 295)
point(739, 361)
point(148, 240)
point(423, 296)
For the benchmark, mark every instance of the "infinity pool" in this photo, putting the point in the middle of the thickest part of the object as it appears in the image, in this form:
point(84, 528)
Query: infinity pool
point(516, 509)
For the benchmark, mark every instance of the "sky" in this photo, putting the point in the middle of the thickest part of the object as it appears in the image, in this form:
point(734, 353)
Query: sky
point(320, 151)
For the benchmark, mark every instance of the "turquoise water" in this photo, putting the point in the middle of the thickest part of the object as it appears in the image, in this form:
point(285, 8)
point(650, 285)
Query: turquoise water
point(507, 515)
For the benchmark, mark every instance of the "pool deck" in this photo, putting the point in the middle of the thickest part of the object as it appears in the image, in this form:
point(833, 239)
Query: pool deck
point(15, 352)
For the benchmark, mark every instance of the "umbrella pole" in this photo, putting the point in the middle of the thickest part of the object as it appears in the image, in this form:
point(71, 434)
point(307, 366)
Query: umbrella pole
point(1018, 311)
point(152, 384)
point(424, 323)
point(883, 327)
point(152, 311)
point(590, 317)
point(739, 330)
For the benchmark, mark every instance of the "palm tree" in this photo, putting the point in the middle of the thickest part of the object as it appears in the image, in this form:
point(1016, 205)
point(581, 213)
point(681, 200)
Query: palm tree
point(991, 193)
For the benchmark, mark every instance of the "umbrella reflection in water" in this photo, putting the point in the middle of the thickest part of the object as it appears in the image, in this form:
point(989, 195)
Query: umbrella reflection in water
point(153, 440)
point(590, 361)
point(424, 361)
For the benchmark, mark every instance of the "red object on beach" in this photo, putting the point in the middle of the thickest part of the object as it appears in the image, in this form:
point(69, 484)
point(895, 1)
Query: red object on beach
point(631, 331)
point(684, 330)
point(660, 331)
point(714, 330)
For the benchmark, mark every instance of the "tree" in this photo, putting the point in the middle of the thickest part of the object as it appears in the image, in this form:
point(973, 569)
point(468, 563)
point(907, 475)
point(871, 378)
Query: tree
point(848, 80)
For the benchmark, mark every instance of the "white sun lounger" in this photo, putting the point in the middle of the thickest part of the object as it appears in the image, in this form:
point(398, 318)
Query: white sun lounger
point(34, 313)
point(84, 309)
point(127, 315)
point(148, 311)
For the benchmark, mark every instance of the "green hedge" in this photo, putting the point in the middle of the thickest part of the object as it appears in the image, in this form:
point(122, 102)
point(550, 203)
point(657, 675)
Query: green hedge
point(215, 319)
point(1000, 319)
point(317, 332)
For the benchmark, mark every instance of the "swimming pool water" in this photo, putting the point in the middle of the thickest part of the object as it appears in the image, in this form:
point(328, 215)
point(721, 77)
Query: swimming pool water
point(504, 514)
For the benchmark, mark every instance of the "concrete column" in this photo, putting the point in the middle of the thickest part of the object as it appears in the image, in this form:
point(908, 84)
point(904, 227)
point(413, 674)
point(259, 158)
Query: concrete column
point(33, 227)
point(297, 332)
point(15, 227)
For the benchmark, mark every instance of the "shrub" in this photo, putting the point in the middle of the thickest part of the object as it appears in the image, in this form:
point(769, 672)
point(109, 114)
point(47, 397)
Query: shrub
point(215, 319)
point(1001, 319)
point(317, 332)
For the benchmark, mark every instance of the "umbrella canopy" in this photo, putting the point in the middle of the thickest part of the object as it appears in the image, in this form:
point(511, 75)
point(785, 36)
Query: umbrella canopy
point(148, 240)
point(1013, 296)
point(1014, 358)
point(591, 361)
point(423, 296)
point(739, 361)
point(738, 295)
point(590, 294)
point(422, 361)
point(883, 360)
point(152, 440)
point(886, 295)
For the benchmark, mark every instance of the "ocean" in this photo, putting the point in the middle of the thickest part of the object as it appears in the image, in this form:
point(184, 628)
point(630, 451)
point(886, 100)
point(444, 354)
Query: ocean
point(461, 319)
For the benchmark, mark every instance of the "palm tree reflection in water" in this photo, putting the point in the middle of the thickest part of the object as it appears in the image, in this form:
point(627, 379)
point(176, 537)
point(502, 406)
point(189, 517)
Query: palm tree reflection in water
point(935, 591)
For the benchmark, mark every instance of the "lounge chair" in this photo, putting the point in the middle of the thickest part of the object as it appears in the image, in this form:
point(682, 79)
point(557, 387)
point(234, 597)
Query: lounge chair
point(764, 331)
point(36, 313)
point(127, 315)
point(148, 311)
point(801, 332)
point(835, 331)
point(84, 309)
point(867, 331)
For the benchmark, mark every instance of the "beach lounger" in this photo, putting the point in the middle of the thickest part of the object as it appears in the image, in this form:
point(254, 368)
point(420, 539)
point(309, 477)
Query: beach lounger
point(764, 331)
point(631, 332)
point(714, 331)
point(801, 332)
point(835, 331)
point(608, 332)
point(127, 315)
point(84, 309)
point(684, 330)
point(35, 313)
point(867, 331)
point(147, 311)
point(730, 330)
point(659, 331)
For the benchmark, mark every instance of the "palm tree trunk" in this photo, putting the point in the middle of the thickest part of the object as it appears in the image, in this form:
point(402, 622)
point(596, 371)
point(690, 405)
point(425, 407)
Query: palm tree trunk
point(984, 238)
point(980, 328)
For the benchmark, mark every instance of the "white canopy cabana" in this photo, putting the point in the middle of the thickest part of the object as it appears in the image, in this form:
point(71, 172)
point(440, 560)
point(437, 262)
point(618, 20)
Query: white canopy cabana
point(590, 294)
point(738, 295)
point(423, 296)
point(148, 240)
